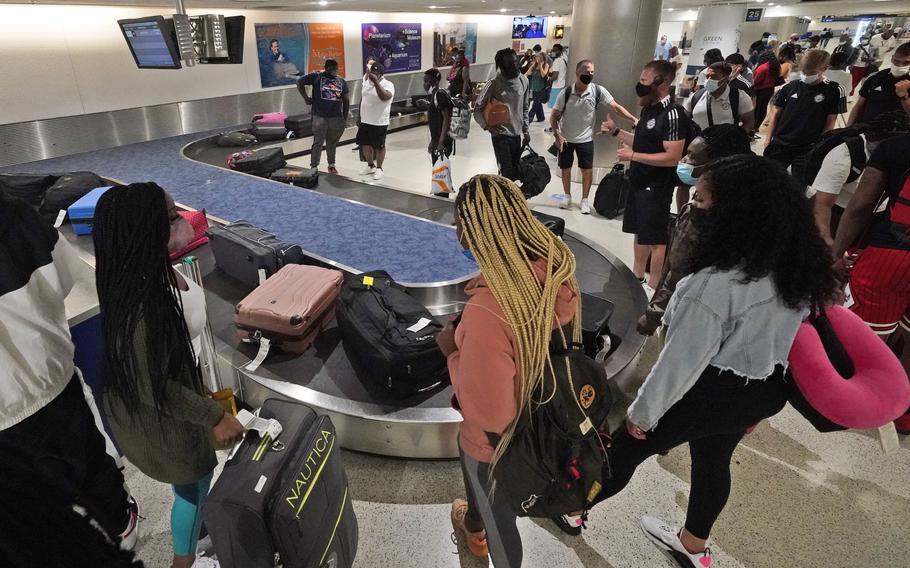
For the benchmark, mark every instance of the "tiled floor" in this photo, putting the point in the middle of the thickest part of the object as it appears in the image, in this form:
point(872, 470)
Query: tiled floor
point(800, 499)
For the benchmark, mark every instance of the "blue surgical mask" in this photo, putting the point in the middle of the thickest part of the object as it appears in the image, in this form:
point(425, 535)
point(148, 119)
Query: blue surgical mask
point(469, 255)
point(712, 85)
point(684, 172)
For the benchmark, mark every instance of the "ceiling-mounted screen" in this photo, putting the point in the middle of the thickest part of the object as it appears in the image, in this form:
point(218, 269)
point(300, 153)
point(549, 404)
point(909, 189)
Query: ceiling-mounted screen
point(151, 42)
point(529, 27)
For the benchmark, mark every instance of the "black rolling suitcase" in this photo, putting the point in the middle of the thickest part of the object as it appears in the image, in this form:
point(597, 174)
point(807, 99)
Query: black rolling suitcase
point(300, 177)
point(556, 224)
point(287, 500)
point(242, 249)
point(612, 193)
point(299, 125)
point(595, 326)
point(261, 162)
point(389, 336)
point(269, 132)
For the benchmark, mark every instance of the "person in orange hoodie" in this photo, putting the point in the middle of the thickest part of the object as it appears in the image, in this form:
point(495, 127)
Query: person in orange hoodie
point(499, 349)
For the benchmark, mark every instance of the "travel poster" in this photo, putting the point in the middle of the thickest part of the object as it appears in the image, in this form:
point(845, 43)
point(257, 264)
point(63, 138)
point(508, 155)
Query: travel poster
point(395, 46)
point(287, 51)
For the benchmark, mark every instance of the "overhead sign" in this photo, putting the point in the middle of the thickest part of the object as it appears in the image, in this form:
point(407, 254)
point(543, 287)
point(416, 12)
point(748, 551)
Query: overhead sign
point(754, 14)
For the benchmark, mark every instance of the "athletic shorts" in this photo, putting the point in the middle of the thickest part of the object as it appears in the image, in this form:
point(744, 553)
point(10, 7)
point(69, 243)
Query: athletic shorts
point(647, 213)
point(372, 135)
point(584, 151)
point(880, 289)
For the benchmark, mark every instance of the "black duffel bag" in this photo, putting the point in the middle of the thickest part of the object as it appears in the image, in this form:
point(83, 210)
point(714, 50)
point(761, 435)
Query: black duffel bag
point(612, 193)
point(30, 188)
point(389, 336)
point(68, 189)
point(534, 172)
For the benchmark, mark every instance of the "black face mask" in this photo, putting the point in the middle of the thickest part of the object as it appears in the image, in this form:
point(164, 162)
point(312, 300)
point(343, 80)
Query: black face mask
point(586, 79)
point(510, 70)
point(643, 90)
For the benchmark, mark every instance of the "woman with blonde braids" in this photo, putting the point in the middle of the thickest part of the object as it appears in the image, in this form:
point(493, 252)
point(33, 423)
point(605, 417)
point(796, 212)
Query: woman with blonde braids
point(499, 350)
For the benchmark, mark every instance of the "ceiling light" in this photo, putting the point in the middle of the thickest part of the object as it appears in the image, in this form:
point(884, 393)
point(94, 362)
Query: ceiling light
point(431, 7)
point(759, 1)
point(503, 10)
point(670, 9)
point(552, 11)
point(323, 3)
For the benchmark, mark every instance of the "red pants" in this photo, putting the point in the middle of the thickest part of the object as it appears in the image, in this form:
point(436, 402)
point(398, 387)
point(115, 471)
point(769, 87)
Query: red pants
point(880, 285)
point(857, 73)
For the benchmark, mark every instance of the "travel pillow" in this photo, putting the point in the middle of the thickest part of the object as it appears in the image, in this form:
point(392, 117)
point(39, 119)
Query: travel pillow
point(843, 374)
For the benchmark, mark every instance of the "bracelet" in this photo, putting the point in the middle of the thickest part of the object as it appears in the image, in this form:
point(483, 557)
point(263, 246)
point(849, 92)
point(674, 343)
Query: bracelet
point(617, 131)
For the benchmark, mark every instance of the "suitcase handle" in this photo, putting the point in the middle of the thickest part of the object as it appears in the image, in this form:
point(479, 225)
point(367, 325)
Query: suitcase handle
point(265, 426)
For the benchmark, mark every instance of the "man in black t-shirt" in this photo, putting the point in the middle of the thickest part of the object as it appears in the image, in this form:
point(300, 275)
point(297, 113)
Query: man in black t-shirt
point(331, 102)
point(880, 280)
point(802, 112)
point(439, 114)
point(654, 150)
point(886, 90)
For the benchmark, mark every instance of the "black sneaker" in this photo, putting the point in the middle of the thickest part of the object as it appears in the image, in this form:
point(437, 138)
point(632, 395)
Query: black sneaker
point(570, 525)
point(666, 538)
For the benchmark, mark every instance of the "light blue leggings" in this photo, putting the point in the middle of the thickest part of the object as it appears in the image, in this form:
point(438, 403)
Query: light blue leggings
point(186, 515)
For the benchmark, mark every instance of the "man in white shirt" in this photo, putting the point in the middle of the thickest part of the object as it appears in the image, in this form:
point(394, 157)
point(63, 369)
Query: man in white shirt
point(884, 43)
point(719, 102)
point(375, 104)
point(838, 177)
point(574, 121)
point(558, 72)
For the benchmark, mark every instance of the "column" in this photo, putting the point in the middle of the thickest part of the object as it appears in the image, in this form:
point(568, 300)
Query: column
point(619, 36)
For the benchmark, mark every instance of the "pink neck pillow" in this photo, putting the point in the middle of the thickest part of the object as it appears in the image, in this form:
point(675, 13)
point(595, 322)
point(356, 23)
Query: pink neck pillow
point(878, 390)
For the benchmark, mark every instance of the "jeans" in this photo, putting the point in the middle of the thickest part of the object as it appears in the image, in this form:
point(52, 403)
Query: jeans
point(496, 518)
point(712, 418)
point(508, 151)
point(326, 131)
point(63, 448)
point(536, 109)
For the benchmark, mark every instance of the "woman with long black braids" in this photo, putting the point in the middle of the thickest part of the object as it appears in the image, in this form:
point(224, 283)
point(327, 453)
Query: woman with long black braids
point(154, 395)
point(758, 267)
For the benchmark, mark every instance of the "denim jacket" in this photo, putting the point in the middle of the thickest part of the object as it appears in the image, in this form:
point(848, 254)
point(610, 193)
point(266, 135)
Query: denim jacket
point(716, 319)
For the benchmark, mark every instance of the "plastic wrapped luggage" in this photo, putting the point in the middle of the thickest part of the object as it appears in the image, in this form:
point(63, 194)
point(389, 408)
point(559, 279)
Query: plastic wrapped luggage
point(260, 162)
point(242, 250)
point(82, 212)
point(286, 499)
point(290, 308)
point(300, 177)
point(235, 139)
point(389, 336)
point(200, 224)
point(557, 225)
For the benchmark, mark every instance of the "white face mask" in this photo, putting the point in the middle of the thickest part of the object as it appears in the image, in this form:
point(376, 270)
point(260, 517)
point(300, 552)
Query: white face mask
point(809, 79)
point(712, 85)
point(900, 71)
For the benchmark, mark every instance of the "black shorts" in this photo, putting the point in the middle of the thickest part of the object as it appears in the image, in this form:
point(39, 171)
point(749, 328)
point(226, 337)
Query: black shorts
point(647, 213)
point(585, 151)
point(371, 135)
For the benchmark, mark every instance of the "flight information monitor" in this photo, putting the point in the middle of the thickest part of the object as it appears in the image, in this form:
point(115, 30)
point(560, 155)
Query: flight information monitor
point(151, 42)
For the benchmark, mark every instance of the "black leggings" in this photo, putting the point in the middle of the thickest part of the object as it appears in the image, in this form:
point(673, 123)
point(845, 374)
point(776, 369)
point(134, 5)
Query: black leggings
point(712, 418)
point(762, 98)
point(507, 150)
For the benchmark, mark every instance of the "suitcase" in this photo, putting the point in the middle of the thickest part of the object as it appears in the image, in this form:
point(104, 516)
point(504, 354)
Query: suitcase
point(242, 249)
point(200, 225)
point(68, 189)
point(261, 162)
point(30, 188)
point(389, 336)
point(234, 139)
point(300, 177)
point(288, 497)
point(269, 118)
point(557, 225)
point(595, 326)
point(612, 193)
point(290, 308)
point(82, 212)
point(299, 125)
point(269, 132)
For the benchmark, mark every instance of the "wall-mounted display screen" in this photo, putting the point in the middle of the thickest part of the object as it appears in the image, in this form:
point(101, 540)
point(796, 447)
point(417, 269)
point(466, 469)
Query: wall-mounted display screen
point(529, 27)
point(151, 42)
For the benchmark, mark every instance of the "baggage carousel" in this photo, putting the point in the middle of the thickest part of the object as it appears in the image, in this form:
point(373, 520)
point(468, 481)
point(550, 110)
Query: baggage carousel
point(355, 227)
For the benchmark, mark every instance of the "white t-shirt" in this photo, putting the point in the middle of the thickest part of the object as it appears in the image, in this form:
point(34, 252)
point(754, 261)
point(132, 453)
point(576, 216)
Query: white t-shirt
point(884, 46)
point(721, 110)
point(833, 174)
point(681, 70)
point(373, 110)
point(579, 112)
point(560, 65)
point(842, 78)
point(194, 313)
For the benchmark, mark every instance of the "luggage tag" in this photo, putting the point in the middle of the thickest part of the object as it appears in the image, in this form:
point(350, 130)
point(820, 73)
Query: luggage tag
point(61, 215)
point(368, 280)
point(421, 323)
point(264, 345)
point(262, 276)
point(887, 435)
point(265, 426)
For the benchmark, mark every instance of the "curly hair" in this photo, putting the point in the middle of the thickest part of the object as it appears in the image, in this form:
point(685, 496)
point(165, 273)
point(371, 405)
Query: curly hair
point(722, 140)
point(762, 224)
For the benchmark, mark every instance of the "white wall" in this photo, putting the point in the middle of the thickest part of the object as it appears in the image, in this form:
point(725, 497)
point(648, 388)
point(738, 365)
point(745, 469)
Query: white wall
point(673, 31)
point(67, 60)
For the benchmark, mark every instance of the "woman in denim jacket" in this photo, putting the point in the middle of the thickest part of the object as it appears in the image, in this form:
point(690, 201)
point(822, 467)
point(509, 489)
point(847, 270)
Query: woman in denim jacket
point(758, 265)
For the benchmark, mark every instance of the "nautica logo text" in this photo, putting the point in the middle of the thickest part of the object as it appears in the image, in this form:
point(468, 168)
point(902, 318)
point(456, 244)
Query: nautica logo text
point(312, 468)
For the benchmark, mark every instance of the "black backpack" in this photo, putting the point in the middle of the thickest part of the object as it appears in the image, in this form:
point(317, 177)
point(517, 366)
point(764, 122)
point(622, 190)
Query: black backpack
point(557, 459)
point(831, 140)
point(534, 172)
point(612, 192)
point(734, 103)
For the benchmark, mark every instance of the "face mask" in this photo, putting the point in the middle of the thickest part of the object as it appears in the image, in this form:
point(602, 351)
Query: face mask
point(684, 172)
point(586, 79)
point(712, 85)
point(181, 235)
point(900, 71)
point(809, 79)
point(643, 90)
point(469, 255)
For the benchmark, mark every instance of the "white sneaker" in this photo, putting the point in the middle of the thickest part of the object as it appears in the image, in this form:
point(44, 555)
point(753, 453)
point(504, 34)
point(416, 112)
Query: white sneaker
point(130, 535)
point(566, 202)
point(206, 562)
point(585, 208)
point(666, 538)
point(649, 291)
point(367, 170)
point(377, 174)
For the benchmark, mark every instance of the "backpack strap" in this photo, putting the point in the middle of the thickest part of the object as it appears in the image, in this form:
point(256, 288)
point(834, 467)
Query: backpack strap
point(734, 102)
point(857, 149)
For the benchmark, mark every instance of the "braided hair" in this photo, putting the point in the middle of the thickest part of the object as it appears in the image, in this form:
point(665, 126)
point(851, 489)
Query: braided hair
point(506, 239)
point(139, 297)
point(723, 140)
point(888, 124)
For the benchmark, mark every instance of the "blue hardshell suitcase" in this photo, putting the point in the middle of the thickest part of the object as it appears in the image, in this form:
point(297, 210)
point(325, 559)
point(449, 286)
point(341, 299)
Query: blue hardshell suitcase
point(82, 212)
